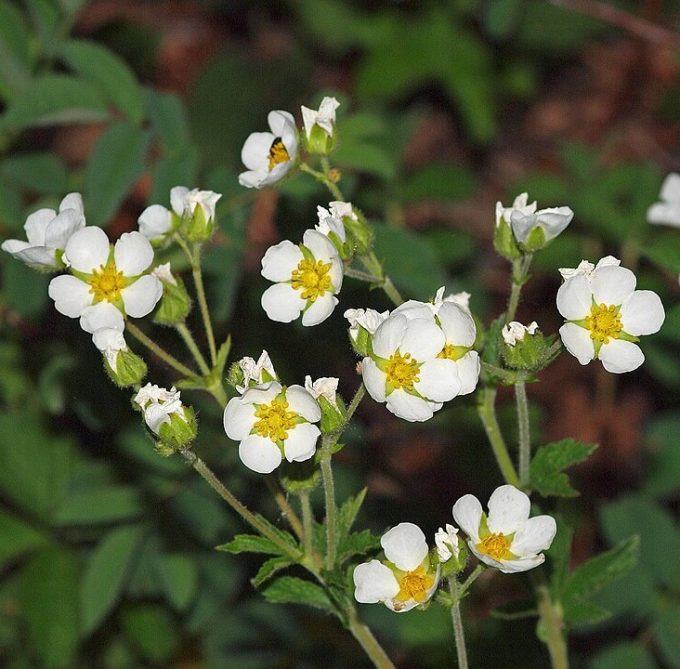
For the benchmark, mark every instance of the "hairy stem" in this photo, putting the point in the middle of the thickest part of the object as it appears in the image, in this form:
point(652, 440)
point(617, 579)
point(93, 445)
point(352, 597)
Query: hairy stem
point(520, 272)
point(197, 273)
point(308, 523)
point(329, 499)
point(157, 350)
point(552, 621)
point(457, 621)
point(190, 342)
point(524, 434)
point(368, 642)
point(286, 509)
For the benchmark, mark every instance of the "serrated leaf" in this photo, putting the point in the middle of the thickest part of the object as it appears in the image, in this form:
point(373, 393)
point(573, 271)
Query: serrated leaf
point(581, 612)
point(106, 574)
point(109, 72)
point(55, 99)
point(268, 569)
point(17, 538)
point(546, 466)
point(347, 513)
point(117, 161)
point(293, 590)
point(357, 543)
point(250, 543)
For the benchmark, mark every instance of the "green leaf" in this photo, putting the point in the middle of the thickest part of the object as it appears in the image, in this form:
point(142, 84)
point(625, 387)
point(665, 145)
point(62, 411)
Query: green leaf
point(169, 121)
point(581, 612)
point(666, 632)
point(99, 505)
point(292, 590)
point(547, 465)
point(42, 173)
point(357, 543)
point(117, 161)
point(367, 158)
point(109, 72)
point(151, 630)
point(174, 170)
point(25, 290)
point(250, 543)
point(623, 655)
point(664, 250)
point(268, 569)
point(17, 538)
point(663, 474)
point(106, 574)
point(439, 181)
point(15, 51)
point(347, 513)
point(55, 99)
point(179, 577)
point(49, 586)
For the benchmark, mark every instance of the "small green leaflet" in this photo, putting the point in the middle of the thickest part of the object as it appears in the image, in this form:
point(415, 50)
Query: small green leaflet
point(546, 474)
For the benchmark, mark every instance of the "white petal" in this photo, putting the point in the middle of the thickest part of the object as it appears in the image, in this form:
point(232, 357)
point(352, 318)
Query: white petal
point(414, 309)
point(574, 298)
point(619, 356)
point(409, 407)
point(60, 229)
point(642, 313)
point(468, 372)
point(102, 315)
point(87, 249)
point(140, 297)
point(439, 380)
point(423, 339)
point(255, 151)
point(36, 226)
point(154, 221)
point(337, 274)
point(554, 220)
point(239, 419)
point(374, 582)
point(320, 246)
point(374, 379)
point(664, 213)
point(14, 246)
point(388, 336)
point(517, 566)
point(300, 401)
point(252, 178)
point(178, 196)
point(508, 509)
point(670, 188)
point(259, 454)
point(467, 512)
point(535, 536)
point(280, 260)
point(578, 342)
point(282, 303)
point(72, 201)
point(612, 285)
point(319, 310)
point(133, 253)
point(40, 257)
point(457, 324)
point(301, 442)
point(71, 296)
point(405, 545)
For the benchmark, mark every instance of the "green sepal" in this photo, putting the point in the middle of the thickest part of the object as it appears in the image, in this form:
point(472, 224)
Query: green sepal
point(319, 142)
point(195, 227)
point(531, 354)
point(333, 416)
point(504, 241)
point(175, 304)
point(535, 240)
point(359, 232)
point(130, 369)
point(179, 432)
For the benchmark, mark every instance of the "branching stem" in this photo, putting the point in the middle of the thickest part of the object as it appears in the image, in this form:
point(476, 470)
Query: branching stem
point(157, 350)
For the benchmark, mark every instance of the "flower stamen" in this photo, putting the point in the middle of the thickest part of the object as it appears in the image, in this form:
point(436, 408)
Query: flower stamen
point(604, 323)
point(453, 352)
point(414, 585)
point(311, 278)
point(106, 283)
point(496, 546)
point(277, 154)
point(274, 420)
point(402, 371)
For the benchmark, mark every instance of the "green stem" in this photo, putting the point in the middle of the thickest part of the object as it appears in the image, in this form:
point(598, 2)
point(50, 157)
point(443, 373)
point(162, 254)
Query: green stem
point(203, 304)
point(457, 622)
point(323, 178)
point(465, 585)
point(308, 524)
point(368, 642)
point(524, 433)
point(520, 272)
point(487, 413)
point(190, 342)
point(362, 276)
point(553, 624)
point(254, 521)
point(286, 509)
point(157, 350)
point(329, 499)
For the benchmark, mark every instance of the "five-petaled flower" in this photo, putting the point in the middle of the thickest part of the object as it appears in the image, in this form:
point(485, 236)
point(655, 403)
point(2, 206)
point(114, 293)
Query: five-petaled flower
point(405, 578)
point(307, 277)
point(105, 280)
point(506, 538)
point(269, 155)
point(271, 423)
point(605, 315)
point(47, 233)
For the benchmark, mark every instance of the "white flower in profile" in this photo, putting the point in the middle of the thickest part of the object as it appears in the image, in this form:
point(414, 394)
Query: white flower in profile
point(105, 280)
point(462, 299)
point(307, 278)
point(667, 212)
point(271, 423)
point(366, 319)
point(324, 386)
point(605, 315)
point(269, 155)
point(405, 579)
point(446, 541)
point(47, 232)
point(164, 274)
point(324, 117)
point(514, 331)
point(330, 222)
point(256, 373)
point(158, 405)
point(524, 219)
point(506, 538)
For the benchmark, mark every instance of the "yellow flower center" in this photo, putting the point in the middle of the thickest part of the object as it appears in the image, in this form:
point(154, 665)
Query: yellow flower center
point(277, 154)
point(604, 323)
point(274, 420)
point(414, 585)
point(452, 352)
point(496, 546)
point(402, 371)
point(311, 278)
point(106, 283)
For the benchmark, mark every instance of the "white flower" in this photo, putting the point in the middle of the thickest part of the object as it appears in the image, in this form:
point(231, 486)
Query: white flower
point(158, 404)
point(330, 222)
point(307, 279)
point(323, 387)
point(667, 212)
point(462, 299)
point(406, 579)
point(605, 315)
point(446, 541)
point(523, 218)
point(368, 319)
point(587, 268)
point(254, 372)
point(507, 538)
point(269, 155)
point(272, 423)
point(110, 342)
point(105, 280)
point(185, 201)
point(155, 222)
point(47, 233)
point(515, 331)
point(324, 117)
point(164, 274)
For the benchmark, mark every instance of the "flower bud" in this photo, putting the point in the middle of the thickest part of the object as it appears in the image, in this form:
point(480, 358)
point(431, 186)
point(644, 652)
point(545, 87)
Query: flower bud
point(525, 348)
point(130, 369)
point(175, 304)
point(359, 232)
point(504, 241)
point(333, 411)
point(320, 135)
